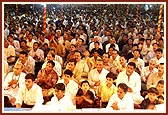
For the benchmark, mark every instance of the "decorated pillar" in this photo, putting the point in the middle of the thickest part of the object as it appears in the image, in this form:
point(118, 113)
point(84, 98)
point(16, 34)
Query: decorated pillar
point(44, 21)
point(160, 19)
point(137, 12)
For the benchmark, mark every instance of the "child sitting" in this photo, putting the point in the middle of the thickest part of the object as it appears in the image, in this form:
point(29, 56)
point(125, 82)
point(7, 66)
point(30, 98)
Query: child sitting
point(152, 98)
point(84, 97)
point(160, 88)
point(107, 89)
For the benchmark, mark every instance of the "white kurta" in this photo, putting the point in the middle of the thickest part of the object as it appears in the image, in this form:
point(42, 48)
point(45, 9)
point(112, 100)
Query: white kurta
point(63, 104)
point(12, 91)
point(39, 53)
point(126, 103)
point(94, 76)
point(32, 97)
point(134, 83)
point(10, 75)
point(29, 65)
point(70, 89)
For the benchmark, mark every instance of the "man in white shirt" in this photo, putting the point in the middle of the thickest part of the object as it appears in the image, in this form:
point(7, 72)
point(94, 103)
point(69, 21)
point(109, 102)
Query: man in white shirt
point(159, 57)
point(30, 40)
point(96, 39)
point(81, 65)
point(13, 81)
point(36, 53)
point(57, 57)
point(43, 40)
point(14, 43)
point(9, 54)
point(60, 101)
point(77, 36)
point(133, 81)
point(147, 70)
point(137, 60)
point(27, 61)
point(155, 77)
point(30, 94)
point(112, 41)
point(121, 100)
point(97, 75)
point(57, 68)
point(147, 47)
point(152, 53)
point(71, 87)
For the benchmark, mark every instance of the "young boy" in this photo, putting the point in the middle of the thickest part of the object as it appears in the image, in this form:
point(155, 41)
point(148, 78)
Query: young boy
point(152, 98)
point(84, 97)
point(60, 100)
point(71, 87)
point(30, 94)
point(107, 89)
point(160, 87)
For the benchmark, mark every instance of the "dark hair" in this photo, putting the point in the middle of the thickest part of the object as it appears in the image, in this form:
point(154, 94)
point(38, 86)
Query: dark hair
point(23, 41)
point(72, 60)
point(132, 64)
point(97, 43)
point(161, 82)
point(130, 39)
point(123, 86)
point(112, 46)
point(137, 50)
point(24, 53)
point(60, 86)
point(142, 39)
point(30, 76)
point(111, 75)
point(36, 43)
point(160, 39)
point(160, 97)
point(78, 52)
point(52, 49)
point(154, 44)
point(50, 61)
point(107, 54)
point(124, 34)
point(68, 72)
point(52, 55)
point(122, 55)
point(45, 44)
point(135, 45)
point(159, 50)
point(10, 35)
point(148, 39)
point(153, 90)
point(116, 50)
point(81, 39)
point(85, 81)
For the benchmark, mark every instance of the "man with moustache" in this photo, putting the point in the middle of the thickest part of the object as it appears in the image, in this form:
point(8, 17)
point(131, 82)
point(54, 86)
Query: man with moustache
point(133, 80)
